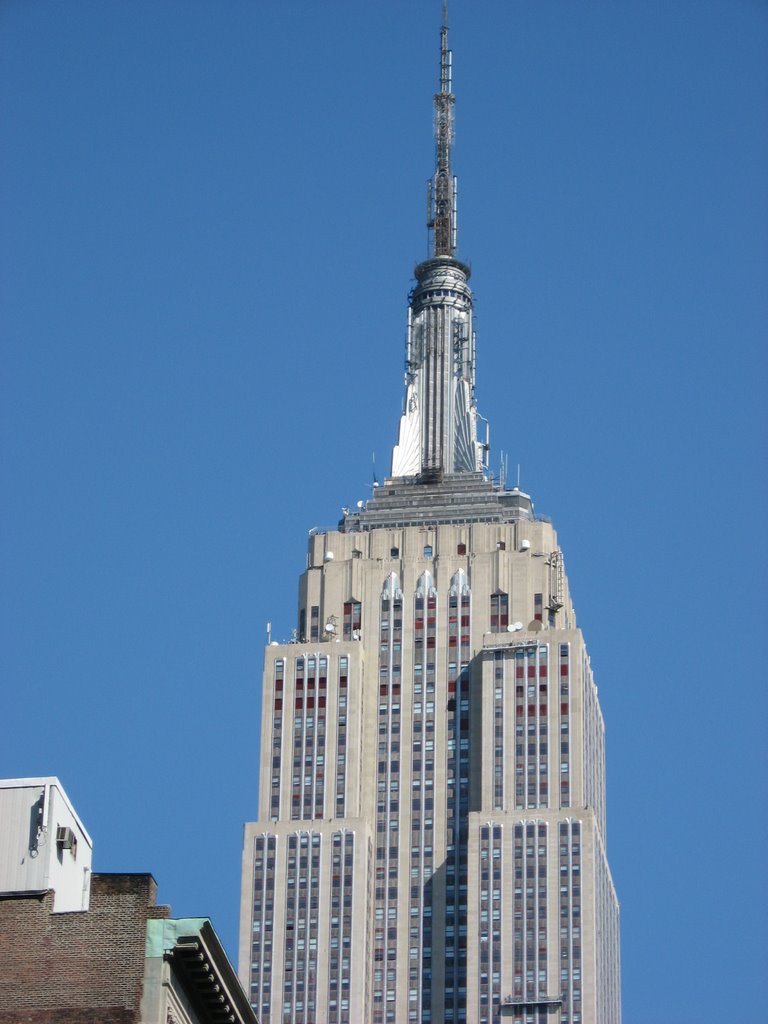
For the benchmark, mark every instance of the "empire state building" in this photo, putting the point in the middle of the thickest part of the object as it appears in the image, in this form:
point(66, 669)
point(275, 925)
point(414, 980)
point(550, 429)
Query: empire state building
point(431, 841)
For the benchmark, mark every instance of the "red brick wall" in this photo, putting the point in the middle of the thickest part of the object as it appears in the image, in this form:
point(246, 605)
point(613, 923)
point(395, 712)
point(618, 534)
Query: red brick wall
point(76, 968)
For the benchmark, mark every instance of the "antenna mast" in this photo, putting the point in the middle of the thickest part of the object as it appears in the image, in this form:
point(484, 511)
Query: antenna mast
point(441, 191)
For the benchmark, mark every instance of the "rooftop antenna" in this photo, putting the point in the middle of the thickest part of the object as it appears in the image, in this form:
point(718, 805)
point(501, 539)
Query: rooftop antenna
point(518, 476)
point(375, 481)
point(442, 189)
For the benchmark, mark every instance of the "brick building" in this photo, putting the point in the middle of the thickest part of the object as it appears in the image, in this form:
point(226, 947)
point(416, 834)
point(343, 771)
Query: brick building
point(121, 959)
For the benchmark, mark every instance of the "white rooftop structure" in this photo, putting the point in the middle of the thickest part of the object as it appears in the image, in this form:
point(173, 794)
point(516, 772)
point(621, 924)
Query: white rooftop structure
point(43, 844)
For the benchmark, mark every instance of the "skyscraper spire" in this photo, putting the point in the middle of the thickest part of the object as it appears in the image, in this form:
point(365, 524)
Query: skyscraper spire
point(438, 428)
point(441, 215)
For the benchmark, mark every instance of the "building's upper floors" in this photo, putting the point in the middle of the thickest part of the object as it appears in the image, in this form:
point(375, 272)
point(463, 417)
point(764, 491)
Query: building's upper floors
point(514, 573)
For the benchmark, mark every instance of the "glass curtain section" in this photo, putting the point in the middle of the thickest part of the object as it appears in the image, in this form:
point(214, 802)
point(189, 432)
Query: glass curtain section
point(489, 898)
point(531, 726)
point(263, 914)
point(340, 936)
point(277, 738)
point(308, 778)
point(302, 878)
point(386, 904)
point(530, 923)
point(457, 797)
point(422, 801)
point(570, 921)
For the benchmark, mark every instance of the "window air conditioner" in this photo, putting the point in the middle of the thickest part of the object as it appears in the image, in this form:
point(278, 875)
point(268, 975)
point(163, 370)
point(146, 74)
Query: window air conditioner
point(65, 837)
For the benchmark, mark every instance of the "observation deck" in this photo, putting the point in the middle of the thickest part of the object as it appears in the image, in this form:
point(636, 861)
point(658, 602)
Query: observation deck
point(452, 498)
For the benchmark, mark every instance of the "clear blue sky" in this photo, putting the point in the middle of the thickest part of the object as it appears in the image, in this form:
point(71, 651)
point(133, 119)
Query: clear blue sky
point(210, 217)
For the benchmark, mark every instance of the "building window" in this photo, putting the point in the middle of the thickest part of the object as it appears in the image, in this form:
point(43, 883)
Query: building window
point(499, 612)
point(352, 619)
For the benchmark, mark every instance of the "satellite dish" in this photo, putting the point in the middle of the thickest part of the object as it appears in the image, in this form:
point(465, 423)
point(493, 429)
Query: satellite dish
point(360, 504)
point(328, 556)
point(330, 627)
point(514, 626)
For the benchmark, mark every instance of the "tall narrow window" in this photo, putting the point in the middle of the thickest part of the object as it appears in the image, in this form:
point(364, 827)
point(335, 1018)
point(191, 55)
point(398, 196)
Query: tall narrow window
point(499, 612)
point(352, 616)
